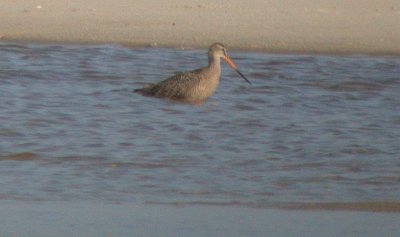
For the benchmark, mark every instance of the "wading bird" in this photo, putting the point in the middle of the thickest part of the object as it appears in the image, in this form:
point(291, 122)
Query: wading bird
point(193, 86)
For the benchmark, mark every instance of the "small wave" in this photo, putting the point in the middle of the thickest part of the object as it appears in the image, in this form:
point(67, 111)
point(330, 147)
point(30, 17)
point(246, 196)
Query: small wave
point(345, 206)
point(355, 86)
point(24, 156)
point(334, 206)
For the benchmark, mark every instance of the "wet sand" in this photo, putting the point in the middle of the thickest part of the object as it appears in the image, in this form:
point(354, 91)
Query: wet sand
point(307, 26)
point(95, 219)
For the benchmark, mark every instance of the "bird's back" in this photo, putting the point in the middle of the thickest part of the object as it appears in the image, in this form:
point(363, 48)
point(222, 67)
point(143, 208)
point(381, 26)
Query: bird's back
point(191, 86)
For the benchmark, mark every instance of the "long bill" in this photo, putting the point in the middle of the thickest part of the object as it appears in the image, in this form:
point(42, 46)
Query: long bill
point(234, 67)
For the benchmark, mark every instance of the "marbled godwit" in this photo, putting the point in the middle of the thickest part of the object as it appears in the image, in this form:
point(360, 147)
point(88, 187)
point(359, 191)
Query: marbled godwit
point(193, 86)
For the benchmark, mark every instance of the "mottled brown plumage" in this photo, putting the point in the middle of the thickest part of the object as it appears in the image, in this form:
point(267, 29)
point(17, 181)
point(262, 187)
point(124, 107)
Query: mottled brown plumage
point(194, 86)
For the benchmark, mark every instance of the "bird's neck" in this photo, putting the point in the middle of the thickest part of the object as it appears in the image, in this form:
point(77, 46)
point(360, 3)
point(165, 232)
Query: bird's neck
point(214, 62)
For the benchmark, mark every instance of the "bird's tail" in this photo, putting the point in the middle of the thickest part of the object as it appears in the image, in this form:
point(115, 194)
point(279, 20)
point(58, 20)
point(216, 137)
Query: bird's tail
point(145, 91)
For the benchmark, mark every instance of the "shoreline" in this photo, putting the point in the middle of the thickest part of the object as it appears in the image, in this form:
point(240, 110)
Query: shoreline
point(344, 53)
point(310, 26)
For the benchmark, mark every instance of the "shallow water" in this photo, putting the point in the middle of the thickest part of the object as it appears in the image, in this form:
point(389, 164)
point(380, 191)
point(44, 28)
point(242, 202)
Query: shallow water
point(309, 129)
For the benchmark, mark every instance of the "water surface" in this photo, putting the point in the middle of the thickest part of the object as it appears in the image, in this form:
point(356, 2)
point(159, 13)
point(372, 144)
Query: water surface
point(310, 128)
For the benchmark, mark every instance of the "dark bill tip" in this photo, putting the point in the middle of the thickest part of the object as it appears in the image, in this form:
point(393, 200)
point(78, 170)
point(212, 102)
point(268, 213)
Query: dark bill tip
point(241, 74)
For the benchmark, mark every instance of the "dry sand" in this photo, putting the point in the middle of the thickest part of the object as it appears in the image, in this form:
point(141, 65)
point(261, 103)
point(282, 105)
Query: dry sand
point(312, 26)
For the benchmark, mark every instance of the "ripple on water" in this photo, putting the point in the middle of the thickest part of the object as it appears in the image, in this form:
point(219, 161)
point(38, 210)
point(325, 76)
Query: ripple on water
point(309, 128)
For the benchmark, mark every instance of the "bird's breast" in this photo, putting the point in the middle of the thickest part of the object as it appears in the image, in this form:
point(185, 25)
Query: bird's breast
point(206, 87)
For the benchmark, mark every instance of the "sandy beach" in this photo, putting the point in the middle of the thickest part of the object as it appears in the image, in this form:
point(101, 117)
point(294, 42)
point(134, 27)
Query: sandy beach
point(306, 26)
